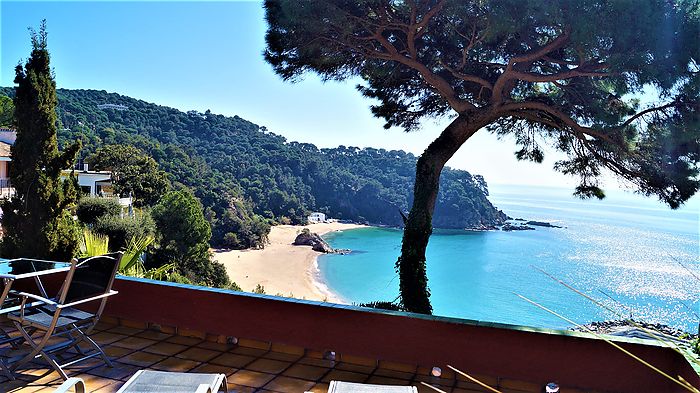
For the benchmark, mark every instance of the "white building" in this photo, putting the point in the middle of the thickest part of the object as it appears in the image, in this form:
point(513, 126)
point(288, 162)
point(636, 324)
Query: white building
point(316, 217)
point(92, 183)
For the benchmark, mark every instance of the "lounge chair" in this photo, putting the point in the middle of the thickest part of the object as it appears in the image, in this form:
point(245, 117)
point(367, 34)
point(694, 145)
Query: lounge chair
point(350, 387)
point(147, 381)
point(87, 283)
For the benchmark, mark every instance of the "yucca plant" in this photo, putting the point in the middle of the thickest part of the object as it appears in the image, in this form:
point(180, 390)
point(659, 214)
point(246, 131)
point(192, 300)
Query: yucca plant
point(93, 244)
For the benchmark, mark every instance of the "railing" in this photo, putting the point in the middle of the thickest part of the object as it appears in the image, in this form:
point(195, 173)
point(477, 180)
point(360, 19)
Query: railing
point(6, 190)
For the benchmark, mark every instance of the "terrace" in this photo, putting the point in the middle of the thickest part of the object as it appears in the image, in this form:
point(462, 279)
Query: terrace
point(268, 344)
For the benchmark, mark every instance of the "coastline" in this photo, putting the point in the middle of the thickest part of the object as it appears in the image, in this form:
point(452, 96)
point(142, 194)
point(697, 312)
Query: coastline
point(282, 268)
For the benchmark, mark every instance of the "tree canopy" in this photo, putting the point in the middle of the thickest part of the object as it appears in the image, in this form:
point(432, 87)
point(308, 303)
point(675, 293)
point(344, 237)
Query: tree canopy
point(133, 172)
point(566, 73)
point(612, 85)
point(7, 112)
point(37, 220)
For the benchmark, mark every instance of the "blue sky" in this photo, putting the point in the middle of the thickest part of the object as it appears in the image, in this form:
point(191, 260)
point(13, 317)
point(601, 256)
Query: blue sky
point(208, 56)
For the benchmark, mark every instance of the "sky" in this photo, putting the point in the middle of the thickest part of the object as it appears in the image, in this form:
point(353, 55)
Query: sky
point(208, 55)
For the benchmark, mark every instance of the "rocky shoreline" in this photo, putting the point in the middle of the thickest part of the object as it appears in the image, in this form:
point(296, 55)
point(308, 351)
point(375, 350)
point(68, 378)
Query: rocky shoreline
point(308, 238)
point(624, 327)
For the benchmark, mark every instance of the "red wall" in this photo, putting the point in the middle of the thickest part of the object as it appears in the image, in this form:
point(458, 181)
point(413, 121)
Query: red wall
point(500, 352)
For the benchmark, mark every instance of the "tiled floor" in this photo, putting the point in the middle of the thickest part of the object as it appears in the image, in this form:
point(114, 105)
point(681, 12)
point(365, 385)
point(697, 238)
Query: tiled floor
point(247, 369)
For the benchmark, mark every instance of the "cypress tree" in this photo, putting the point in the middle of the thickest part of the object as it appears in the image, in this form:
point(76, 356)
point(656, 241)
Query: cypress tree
point(37, 221)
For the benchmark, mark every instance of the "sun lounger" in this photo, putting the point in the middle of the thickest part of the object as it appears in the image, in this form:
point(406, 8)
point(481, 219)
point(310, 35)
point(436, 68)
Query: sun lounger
point(149, 381)
point(350, 387)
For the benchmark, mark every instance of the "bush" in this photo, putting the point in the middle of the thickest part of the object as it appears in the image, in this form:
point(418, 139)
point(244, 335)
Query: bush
point(90, 209)
point(121, 230)
point(383, 305)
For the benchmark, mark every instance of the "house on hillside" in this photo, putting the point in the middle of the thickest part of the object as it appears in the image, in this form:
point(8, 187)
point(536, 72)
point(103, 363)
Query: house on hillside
point(316, 217)
point(92, 183)
point(7, 139)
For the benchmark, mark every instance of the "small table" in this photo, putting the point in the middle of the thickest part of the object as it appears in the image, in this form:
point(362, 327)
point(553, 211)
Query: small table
point(21, 268)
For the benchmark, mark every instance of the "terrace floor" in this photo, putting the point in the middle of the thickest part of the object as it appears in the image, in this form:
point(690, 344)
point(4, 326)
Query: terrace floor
point(250, 366)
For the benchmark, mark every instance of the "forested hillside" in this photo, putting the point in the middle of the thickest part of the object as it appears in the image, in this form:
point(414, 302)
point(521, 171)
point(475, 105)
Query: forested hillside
point(247, 177)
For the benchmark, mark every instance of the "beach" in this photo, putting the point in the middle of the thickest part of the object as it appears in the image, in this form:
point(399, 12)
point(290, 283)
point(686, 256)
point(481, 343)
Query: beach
point(282, 268)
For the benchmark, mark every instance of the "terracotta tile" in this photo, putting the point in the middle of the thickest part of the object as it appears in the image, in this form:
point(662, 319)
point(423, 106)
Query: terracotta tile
point(347, 376)
point(383, 372)
point(288, 349)
point(109, 388)
point(133, 324)
point(354, 368)
point(175, 364)
point(116, 352)
point(120, 371)
point(304, 371)
point(165, 329)
point(248, 351)
point(434, 380)
point(191, 333)
point(165, 348)
point(287, 384)
point(250, 378)
point(103, 338)
point(320, 388)
point(106, 319)
point(379, 380)
point(479, 390)
point(314, 354)
point(235, 388)
point(232, 360)
point(103, 325)
point(154, 335)
point(407, 368)
point(214, 369)
point(125, 330)
point(358, 360)
point(215, 346)
point(286, 357)
point(268, 366)
point(182, 340)
point(133, 342)
point(141, 359)
point(198, 354)
point(317, 362)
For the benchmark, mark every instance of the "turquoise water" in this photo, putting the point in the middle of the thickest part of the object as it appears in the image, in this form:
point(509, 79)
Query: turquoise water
point(630, 248)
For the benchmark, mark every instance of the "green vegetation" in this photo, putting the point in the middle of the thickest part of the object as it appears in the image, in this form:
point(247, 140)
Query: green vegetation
point(90, 209)
point(122, 229)
point(133, 172)
point(7, 112)
point(539, 71)
point(248, 178)
point(37, 221)
point(184, 237)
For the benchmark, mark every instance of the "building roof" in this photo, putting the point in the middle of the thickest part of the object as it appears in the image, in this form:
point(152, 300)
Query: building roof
point(5, 149)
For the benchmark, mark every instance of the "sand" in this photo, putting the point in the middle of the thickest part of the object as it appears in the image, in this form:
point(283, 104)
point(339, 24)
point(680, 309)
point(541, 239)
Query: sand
point(283, 269)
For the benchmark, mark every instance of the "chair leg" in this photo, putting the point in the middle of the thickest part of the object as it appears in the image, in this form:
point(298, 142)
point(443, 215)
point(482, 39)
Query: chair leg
point(36, 348)
point(96, 347)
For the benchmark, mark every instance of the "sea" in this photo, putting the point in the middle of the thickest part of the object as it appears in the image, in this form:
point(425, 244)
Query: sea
point(631, 254)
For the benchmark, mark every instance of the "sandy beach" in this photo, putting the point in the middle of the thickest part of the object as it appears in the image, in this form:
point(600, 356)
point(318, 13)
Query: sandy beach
point(281, 267)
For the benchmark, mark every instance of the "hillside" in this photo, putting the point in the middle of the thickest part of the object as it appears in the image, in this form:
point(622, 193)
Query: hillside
point(246, 176)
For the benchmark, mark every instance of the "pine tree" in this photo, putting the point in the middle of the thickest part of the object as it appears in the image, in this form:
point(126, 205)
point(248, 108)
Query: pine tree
point(37, 221)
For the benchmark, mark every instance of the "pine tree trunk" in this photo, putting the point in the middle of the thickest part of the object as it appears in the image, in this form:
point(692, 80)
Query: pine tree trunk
point(411, 266)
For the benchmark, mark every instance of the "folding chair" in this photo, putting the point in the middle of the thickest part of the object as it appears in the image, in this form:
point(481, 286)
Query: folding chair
point(87, 282)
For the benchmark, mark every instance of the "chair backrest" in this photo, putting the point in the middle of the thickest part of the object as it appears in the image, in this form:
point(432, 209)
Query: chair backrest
point(92, 276)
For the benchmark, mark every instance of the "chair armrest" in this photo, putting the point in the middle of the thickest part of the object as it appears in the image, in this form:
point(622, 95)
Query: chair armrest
point(42, 299)
point(90, 299)
point(77, 383)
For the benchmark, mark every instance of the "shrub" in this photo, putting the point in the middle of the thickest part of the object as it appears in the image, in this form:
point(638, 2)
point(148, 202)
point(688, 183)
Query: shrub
point(121, 230)
point(90, 209)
